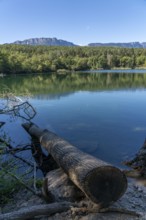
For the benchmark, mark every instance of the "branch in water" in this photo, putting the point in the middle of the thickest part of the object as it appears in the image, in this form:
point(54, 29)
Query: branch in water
point(18, 108)
point(12, 152)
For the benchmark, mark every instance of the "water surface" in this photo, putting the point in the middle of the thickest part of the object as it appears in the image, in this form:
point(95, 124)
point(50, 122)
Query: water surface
point(102, 113)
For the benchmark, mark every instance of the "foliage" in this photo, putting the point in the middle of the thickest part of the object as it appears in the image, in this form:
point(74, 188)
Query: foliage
point(8, 185)
point(32, 59)
point(39, 183)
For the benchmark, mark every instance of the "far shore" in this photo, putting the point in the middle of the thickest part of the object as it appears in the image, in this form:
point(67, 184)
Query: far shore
point(65, 71)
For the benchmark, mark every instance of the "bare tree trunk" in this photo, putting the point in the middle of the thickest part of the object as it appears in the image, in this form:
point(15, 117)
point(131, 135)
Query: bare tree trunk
point(44, 163)
point(58, 187)
point(101, 182)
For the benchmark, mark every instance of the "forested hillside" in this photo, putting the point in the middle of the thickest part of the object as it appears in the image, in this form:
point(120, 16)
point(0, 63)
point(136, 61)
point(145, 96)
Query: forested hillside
point(27, 59)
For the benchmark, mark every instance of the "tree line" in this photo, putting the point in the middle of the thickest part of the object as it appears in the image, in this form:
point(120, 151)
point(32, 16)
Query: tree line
point(36, 59)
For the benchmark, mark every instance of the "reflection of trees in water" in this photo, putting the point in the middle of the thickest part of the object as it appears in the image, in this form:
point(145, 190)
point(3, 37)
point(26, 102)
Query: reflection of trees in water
point(70, 82)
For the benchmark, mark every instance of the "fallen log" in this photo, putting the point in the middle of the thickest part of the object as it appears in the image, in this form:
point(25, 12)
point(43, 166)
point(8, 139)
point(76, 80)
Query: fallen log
point(36, 211)
point(44, 163)
point(101, 182)
point(57, 187)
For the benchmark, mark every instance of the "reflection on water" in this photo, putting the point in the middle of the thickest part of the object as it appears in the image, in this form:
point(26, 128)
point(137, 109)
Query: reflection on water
point(103, 114)
point(56, 85)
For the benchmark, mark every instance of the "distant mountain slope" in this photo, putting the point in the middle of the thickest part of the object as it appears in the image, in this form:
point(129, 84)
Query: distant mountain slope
point(127, 45)
point(45, 41)
point(59, 42)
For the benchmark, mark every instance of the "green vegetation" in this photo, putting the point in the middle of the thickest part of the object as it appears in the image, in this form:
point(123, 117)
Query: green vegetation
point(37, 59)
point(8, 185)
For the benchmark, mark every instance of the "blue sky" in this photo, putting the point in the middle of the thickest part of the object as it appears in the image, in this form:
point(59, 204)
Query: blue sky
point(78, 21)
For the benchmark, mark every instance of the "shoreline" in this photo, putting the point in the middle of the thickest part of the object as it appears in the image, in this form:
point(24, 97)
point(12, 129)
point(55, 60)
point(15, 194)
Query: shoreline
point(65, 71)
point(133, 201)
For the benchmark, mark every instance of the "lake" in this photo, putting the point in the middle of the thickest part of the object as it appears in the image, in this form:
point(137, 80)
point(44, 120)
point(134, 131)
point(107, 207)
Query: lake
point(101, 112)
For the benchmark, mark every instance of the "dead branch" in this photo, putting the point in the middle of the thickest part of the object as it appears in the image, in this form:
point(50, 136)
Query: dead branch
point(17, 150)
point(16, 107)
point(29, 163)
point(34, 177)
point(28, 110)
point(120, 210)
point(12, 150)
point(38, 210)
point(76, 210)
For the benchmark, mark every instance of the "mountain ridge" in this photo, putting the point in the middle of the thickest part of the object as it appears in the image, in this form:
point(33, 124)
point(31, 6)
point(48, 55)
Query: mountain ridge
point(59, 42)
point(45, 41)
point(135, 44)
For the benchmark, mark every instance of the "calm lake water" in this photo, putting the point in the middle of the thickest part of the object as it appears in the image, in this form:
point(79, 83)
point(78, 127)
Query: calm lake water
point(102, 113)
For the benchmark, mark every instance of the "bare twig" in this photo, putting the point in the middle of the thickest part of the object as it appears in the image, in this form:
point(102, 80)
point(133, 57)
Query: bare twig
point(18, 108)
point(28, 171)
point(29, 163)
point(28, 108)
point(12, 152)
point(34, 177)
point(18, 149)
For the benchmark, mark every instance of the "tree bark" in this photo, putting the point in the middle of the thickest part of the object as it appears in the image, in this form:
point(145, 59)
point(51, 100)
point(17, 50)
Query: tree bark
point(44, 162)
point(58, 187)
point(101, 182)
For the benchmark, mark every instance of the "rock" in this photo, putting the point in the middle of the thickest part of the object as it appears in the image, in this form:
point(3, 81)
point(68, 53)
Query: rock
point(133, 200)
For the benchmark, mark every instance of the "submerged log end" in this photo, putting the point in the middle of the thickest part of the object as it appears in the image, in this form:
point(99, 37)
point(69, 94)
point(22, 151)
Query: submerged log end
point(2, 123)
point(105, 185)
point(27, 126)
